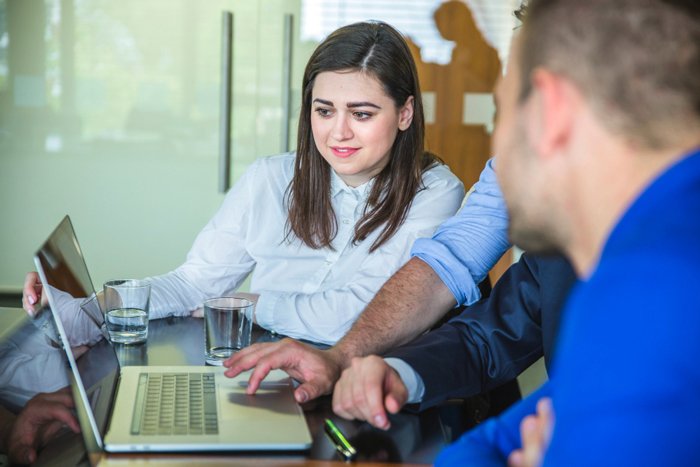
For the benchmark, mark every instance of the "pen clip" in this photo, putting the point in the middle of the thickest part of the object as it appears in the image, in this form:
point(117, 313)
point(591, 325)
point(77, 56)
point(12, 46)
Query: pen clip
point(342, 445)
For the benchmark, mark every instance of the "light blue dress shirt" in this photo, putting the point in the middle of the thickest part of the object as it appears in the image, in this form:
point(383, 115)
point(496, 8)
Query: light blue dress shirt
point(465, 247)
point(461, 252)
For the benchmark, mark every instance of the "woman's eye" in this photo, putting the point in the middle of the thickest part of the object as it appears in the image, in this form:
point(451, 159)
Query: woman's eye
point(324, 112)
point(362, 115)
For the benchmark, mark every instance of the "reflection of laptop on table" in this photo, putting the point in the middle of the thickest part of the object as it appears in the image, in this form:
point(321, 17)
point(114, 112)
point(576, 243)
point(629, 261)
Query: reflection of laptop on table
point(179, 408)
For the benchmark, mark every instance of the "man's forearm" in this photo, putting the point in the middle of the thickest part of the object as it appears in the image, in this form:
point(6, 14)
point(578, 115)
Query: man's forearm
point(409, 303)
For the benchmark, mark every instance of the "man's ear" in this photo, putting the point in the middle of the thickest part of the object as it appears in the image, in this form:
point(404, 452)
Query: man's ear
point(406, 114)
point(551, 118)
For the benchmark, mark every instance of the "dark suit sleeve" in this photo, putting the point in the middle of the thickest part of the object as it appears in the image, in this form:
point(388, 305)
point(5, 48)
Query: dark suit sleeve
point(487, 344)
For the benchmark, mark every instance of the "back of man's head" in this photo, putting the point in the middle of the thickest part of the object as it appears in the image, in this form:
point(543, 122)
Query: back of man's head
point(636, 61)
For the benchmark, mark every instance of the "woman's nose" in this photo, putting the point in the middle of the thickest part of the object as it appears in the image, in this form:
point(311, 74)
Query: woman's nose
point(341, 129)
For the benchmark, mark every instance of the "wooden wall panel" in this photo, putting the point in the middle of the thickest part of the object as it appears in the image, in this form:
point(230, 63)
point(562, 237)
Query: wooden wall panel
point(474, 68)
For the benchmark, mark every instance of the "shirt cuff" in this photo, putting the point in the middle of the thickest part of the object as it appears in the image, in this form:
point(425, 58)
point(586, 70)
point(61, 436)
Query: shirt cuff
point(411, 379)
point(265, 310)
point(453, 274)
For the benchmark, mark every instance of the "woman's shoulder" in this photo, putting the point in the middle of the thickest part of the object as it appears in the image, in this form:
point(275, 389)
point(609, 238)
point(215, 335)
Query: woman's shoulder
point(439, 174)
point(278, 163)
point(278, 167)
point(264, 182)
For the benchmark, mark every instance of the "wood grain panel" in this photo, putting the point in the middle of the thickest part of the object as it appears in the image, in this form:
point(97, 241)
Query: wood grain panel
point(474, 68)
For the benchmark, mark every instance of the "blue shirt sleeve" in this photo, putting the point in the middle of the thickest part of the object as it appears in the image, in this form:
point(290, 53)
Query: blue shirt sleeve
point(491, 443)
point(465, 247)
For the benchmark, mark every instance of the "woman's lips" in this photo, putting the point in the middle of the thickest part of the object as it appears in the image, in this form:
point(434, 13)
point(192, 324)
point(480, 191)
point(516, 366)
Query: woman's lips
point(343, 152)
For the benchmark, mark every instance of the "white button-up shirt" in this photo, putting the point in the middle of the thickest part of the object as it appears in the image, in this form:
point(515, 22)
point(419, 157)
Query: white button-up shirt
point(306, 293)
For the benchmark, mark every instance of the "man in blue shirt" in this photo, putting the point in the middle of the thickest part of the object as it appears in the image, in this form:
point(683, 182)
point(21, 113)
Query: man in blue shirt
point(598, 143)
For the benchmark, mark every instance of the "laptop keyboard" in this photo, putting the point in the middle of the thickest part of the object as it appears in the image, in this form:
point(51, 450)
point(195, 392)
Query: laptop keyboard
point(175, 404)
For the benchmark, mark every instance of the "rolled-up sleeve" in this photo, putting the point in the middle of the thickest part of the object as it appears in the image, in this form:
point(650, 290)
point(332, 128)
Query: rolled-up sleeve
point(465, 247)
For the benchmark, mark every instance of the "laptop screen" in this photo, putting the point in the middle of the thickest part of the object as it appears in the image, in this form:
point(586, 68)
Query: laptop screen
point(213, 412)
point(73, 305)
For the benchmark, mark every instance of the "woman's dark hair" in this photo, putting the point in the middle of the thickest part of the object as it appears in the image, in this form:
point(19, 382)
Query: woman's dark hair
point(378, 50)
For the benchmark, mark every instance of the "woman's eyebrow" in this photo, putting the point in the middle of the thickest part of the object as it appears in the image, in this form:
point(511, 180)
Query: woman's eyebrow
point(352, 105)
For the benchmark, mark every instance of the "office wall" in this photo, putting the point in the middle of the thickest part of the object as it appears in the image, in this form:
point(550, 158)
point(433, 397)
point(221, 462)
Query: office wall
point(109, 112)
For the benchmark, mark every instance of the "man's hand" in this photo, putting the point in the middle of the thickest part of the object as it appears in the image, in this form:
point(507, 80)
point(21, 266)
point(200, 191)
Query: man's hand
point(536, 433)
point(31, 292)
point(37, 423)
point(367, 390)
point(317, 370)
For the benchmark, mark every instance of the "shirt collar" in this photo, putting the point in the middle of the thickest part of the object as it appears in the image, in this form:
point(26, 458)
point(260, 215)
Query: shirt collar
point(338, 186)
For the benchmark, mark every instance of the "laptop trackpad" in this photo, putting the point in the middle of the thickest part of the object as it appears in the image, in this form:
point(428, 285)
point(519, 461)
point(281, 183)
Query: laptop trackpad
point(273, 397)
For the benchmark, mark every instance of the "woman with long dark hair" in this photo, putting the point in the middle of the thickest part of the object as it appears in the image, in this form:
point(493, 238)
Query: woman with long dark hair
point(322, 229)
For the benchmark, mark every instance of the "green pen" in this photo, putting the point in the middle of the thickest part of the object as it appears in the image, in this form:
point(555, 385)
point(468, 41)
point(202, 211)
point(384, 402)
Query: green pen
point(342, 445)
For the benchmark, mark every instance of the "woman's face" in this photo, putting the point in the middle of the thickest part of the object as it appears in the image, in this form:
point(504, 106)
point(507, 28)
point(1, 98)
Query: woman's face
point(354, 123)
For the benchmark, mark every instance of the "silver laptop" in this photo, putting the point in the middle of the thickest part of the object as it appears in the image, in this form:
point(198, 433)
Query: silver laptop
point(151, 408)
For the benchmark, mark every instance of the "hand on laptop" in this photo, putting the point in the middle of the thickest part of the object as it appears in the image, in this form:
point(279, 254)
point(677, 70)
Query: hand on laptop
point(39, 421)
point(32, 293)
point(367, 389)
point(317, 370)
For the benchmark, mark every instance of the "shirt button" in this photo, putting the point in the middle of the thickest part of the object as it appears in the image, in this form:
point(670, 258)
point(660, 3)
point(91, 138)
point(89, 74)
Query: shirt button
point(346, 221)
